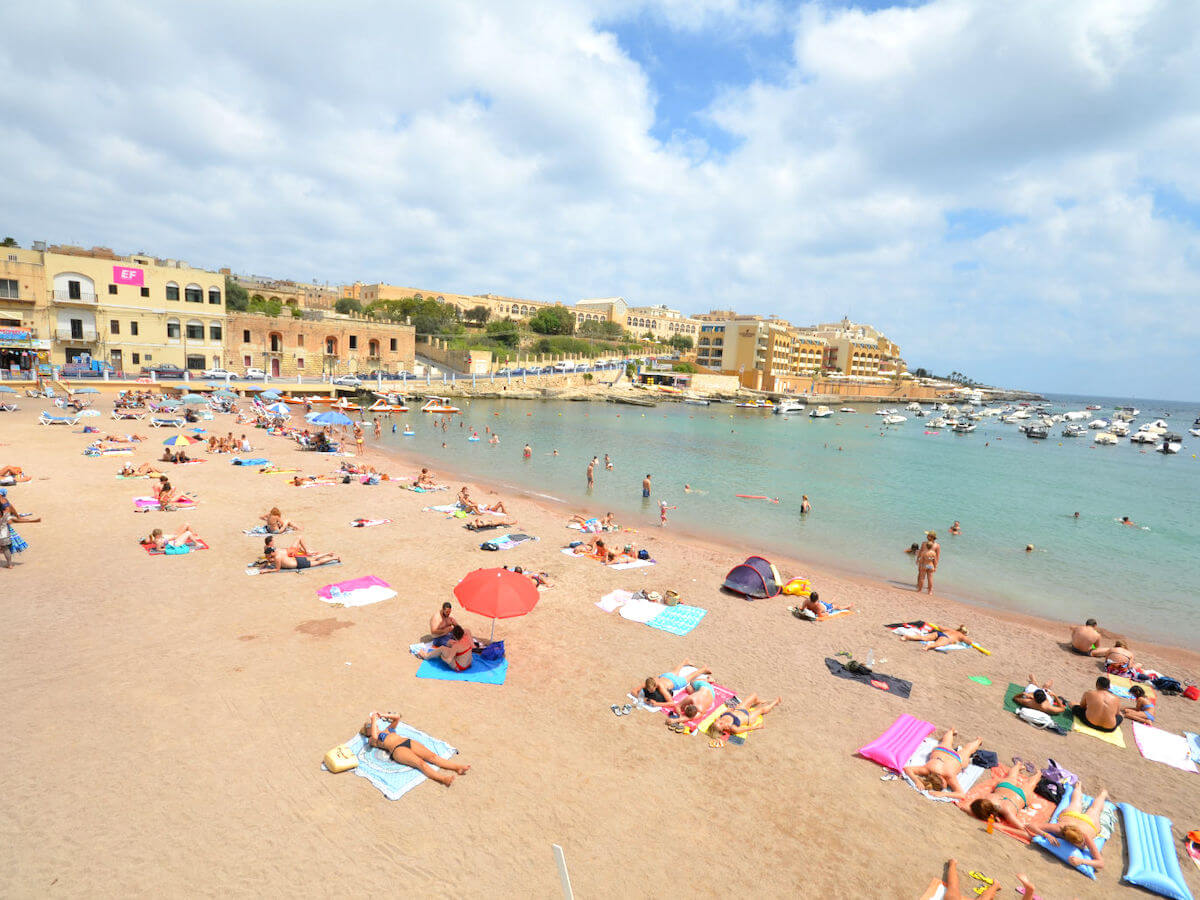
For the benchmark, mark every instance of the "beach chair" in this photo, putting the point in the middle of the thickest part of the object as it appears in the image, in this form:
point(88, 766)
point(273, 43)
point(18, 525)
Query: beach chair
point(49, 419)
point(32, 392)
point(8, 407)
point(128, 414)
point(49, 393)
point(161, 422)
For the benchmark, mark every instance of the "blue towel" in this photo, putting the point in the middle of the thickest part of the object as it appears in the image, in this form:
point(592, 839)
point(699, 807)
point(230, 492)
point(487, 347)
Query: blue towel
point(482, 671)
point(255, 461)
point(393, 779)
point(679, 619)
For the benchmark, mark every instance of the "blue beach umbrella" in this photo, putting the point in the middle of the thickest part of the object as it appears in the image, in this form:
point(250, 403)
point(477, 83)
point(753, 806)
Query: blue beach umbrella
point(331, 418)
point(193, 399)
point(279, 409)
point(270, 395)
point(5, 389)
point(228, 395)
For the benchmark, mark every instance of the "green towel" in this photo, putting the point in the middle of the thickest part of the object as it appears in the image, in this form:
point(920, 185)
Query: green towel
point(1063, 720)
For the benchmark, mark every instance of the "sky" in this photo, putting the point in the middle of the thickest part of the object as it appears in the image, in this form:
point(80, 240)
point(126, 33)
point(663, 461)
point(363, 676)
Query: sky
point(1009, 190)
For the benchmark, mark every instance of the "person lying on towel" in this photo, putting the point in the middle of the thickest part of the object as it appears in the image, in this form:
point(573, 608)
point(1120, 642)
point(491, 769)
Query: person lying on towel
point(818, 607)
point(660, 691)
point(456, 654)
point(940, 773)
point(1078, 827)
point(379, 730)
point(1041, 698)
point(1008, 797)
point(279, 559)
point(738, 719)
point(695, 700)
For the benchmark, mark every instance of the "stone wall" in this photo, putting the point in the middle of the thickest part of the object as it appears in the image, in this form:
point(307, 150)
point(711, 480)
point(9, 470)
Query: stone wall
point(300, 345)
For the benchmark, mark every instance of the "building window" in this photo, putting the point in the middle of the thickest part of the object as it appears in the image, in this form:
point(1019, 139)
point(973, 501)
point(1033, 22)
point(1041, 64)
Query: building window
point(195, 362)
point(8, 288)
point(114, 326)
point(354, 342)
point(246, 361)
point(133, 328)
point(172, 291)
point(195, 332)
point(392, 345)
point(193, 294)
point(74, 290)
point(77, 329)
point(145, 292)
point(214, 295)
point(299, 363)
point(246, 336)
point(299, 340)
point(214, 332)
point(372, 348)
point(173, 328)
point(137, 359)
point(112, 288)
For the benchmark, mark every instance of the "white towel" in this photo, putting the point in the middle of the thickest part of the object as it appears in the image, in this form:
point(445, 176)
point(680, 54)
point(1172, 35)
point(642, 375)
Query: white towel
point(966, 778)
point(614, 599)
point(1163, 746)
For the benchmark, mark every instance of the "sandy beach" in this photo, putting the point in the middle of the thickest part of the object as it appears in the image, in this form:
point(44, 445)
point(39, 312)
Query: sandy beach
point(166, 716)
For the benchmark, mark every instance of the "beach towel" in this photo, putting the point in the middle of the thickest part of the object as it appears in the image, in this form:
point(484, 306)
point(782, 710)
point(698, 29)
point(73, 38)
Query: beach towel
point(508, 541)
point(444, 508)
point(877, 680)
point(369, 523)
point(391, 778)
point(357, 591)
point(262, 529)
point(1193, 740)
point(967, 778)
point(639, 609)
point(1038, 812)
point(613, 600)
point(678, 619)
point(252, 461)
point(1110, 737)
point(274, 470)
point(632, 564)
point(151, 503)
point(111, 451)
point(1163, 746)
point(255, 570)
point(1062, 722)
point(920, 629)
point(198, 544)
point(482, 671)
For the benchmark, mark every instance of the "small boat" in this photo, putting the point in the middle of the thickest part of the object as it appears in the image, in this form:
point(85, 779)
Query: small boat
point(384, 407)
point(1076, 416)
point(1171, 443)
point(1073, 430)
point(894, 419)
point(346, 406)
point(1143, 437)
point(440, 405)
point(885, 412)
point(939, 422)
point(821, 412)
point(1092, 406)
point(1194, 432)
point(963, 427)
point(789, 406)
point(1103, 437)
point(1120, 429)
point(1098, 424)
point(848, 409)
point(1037, 432)
point(757, 404)
point(695, 401)
point(1157, 427)
point(913, 407)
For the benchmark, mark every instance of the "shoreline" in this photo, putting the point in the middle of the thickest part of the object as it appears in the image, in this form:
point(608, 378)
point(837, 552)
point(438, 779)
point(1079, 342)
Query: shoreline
point(824, 569)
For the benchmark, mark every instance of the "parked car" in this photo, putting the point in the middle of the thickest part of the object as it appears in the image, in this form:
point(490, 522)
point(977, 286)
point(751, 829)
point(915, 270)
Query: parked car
point(256, 374)
point(163, 370)
point(347, 381)
point(217, 373)
point(565, 366)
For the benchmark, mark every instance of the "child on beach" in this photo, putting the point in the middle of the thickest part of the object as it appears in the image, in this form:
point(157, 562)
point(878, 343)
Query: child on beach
point(662, 512)
point(1144, 710)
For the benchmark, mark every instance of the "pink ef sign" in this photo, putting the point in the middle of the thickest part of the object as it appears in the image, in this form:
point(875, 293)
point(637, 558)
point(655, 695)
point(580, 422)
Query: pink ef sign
point(124, 275)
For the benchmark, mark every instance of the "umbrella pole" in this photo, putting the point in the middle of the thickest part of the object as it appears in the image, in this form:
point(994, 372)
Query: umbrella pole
point(492, 636)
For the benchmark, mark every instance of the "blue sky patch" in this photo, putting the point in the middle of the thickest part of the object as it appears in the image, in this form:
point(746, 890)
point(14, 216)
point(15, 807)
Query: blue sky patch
point(968, 224)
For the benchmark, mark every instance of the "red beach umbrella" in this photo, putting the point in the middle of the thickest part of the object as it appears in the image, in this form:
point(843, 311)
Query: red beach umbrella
point(496, 593)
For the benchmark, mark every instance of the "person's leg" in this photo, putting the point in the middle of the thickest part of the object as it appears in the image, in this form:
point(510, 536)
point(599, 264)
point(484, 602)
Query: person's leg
point(407, 757)
point(969, 750)
point(952, 880)
point(300, 547)
point(1097, 806)
point(1076, 804)
point(761, 709)
point(947, 740)
point(1030, 891)
point(991, 891)
point(929, 582)
point(429, 756)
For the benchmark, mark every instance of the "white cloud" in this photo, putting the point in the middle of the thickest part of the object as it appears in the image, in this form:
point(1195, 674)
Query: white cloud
point(508, 147)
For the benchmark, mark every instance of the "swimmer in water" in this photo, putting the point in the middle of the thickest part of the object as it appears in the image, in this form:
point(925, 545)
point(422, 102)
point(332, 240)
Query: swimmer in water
point(1125, 520)
point(955, 529)
point(1076, 515)
point(1029, 548)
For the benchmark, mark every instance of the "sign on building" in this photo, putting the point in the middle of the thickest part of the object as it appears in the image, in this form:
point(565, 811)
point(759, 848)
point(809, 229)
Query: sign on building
point(129, 275)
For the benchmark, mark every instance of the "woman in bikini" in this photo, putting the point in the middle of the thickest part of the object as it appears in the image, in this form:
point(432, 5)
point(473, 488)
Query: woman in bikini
point(1118, 659)
point(660, 691)
point(940, 773)
point(1144, 710)
point(458, 653)
point(1007, 798)
point(941, 638)
point(276, 523)
point(409, 751)
point(160, 541)
point(1078, 827)
point(738, 720)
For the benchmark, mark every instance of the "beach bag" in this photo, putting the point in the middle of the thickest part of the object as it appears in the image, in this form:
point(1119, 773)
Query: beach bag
point(493, 652)
point(1035, 717)
point(1051, 790)
point(985, 759)
point(340, 759)
point(1192, 692)
point(1165, 684)
point(489, 545)
point(643, 554)
point(1055, 772)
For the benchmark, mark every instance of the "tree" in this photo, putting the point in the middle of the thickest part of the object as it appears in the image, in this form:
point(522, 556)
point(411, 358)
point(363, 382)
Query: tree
point(478, 314)
point(609, 331)
point(553, 320)
point(681, 342)
point(9, 242)
point(347, 305)
point(683, 367)
point(921, 373)
point(236, 296)
point(505, 332)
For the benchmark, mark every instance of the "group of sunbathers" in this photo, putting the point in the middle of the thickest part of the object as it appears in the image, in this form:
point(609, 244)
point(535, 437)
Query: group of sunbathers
point(688, 693)
point(295, 556)
point(228, 444)
point(597, 549)
point(592, 524)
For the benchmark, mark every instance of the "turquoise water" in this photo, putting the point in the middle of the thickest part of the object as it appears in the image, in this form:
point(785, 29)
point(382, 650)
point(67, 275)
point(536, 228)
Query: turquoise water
point(875, 490)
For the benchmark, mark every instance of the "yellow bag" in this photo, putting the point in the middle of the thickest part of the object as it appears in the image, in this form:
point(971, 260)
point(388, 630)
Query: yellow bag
point(340, 759)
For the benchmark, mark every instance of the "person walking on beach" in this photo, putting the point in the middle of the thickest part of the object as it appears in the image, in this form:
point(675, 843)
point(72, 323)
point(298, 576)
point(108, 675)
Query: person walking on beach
point(646, 486)
point(926, 566)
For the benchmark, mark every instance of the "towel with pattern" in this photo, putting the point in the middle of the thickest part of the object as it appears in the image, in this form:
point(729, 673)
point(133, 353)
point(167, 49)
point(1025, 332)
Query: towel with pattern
point(679, 619)
point(391, 778)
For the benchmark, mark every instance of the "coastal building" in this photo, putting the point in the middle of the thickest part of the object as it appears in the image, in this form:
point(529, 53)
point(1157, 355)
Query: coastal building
point(296, 294)
point(855, 349)
point(745, 345)
point(317, 343)
point(23, 342)
point(97, 308)
point(497, 305)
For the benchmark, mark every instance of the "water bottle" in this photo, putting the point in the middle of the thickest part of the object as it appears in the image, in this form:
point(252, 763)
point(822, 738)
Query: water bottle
point(870, 659)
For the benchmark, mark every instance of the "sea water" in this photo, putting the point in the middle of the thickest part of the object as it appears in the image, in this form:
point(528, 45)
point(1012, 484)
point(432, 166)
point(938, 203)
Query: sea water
point(876, 489)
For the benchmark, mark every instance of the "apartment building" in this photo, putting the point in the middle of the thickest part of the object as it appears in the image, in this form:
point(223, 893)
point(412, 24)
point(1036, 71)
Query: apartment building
point(854, 349)
point(295, 294)
point(318, 343)
point(497, 305)
point(23, 345)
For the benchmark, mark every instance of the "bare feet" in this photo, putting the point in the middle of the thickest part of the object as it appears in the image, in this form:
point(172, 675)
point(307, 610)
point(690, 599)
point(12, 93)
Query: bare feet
point(1026, 884)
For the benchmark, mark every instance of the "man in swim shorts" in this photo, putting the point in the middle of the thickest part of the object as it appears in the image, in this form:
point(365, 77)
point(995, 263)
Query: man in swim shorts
point(456, 654)
point(1085, 638)
point(1099, 708)
point(441, 623)
point(280, 560)
point(646, 486)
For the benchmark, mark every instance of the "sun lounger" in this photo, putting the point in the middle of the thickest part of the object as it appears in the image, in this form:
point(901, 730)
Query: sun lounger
point(121, 414)
point(8, 407)
point(50, 419)
point(161, 422)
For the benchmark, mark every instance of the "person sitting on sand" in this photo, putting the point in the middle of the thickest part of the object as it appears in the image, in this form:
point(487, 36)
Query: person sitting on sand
point(276, 523)
point(595, 548)
point(940, 638)
point(818, 607)
point(1077, 827)
point(660, 691)
point(940, 773)
point(425, 479)
point(1118, 659)
point(164, 493)
point(297, 548)
point(279, 559)
point(1099, 708)
point(457, 653)
point(441, 623)
point(1008, 797)
point(167, 456)
point(409, 751)
point(185, 536)
point(1143, 710)
point(1040, 697)
point(1085, 638)
point(740, 719)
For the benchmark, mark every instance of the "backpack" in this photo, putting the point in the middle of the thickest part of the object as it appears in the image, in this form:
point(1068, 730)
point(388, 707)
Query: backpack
point(1035, 717)
point(489, 545)
point(493, 651)
point(643, 554)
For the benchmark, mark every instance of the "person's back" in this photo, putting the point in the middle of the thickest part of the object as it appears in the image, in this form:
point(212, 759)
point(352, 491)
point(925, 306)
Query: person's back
point(1101, 708)
point(1085, 638)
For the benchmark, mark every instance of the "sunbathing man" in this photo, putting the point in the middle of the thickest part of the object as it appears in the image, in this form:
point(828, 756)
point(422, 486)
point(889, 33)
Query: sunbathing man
point(1008, 797)
point(1085, 638)
point(1081, 830)
point(941, 638)
point(409, 751)
point(660, 691)
point(457, 653)
point(159, 541)
point(697, 698)
point(279, 560)
point(1099, 708)
point(822, 610)
point(276, 523)
point(479, 524)
point(1118, 659)
point(540, 579)
point(740, 720)
point(441, 623)
point(940, 773)
point(1041, 698)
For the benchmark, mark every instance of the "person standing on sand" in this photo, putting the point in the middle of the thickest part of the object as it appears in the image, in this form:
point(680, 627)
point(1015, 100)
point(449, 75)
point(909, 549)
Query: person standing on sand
point(358, 437)
point(646, 486)
point(1085, 638)
point(926, 566)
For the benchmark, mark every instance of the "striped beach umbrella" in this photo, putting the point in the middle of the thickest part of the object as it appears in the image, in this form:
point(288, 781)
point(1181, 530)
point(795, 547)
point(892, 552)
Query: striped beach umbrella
point(178, 440)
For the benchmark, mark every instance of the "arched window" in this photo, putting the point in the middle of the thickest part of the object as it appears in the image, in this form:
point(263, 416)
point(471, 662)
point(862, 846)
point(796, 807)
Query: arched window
point(172, 291)
point(214, 295)
point(331, 346)
point(195, 330)
point(193, 294)
point(173, 328)
point(372, 348)
point(73, 286)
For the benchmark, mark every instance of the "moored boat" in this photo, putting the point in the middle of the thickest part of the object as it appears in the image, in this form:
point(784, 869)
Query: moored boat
point(440, 405)
point(821, 412)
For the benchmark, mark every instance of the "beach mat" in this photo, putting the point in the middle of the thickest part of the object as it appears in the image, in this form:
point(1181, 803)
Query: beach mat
point(508, 541)
point(357, 591)
point(1109, 737)
point(679, 619)
point(262, 529)
point(140, 503)
point(1062, 722)
point(391, 778)
point(1193, 740)
point(482, 671)
point(1038, 812)
point(369, 523)
point(198, 544)
point(1163, 747)
point(889, 683)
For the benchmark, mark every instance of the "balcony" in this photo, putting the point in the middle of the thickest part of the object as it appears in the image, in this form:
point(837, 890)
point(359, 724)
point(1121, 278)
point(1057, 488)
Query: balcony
point(6, 297)
point(86, 336)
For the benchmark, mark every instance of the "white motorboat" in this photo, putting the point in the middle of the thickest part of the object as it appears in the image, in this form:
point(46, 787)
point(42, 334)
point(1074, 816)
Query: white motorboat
point(1171, 443)
point(913, 407)
point(1073, 429)
point(440, 405)
point(918, 413)
point(894, 419)
point(1120, 429)
point(1077, 415)
point(848, 409)
point(1037, 432)
point(1092, 406)
point(821, 412)
point(791, 405)
point(1098, 424)
point(1157, 427)
point(696, 401)
point(1143, 437)
point(1194, 432)
point(1103, 437)
point(885, 412)
point(963, 427)
point(940, 422)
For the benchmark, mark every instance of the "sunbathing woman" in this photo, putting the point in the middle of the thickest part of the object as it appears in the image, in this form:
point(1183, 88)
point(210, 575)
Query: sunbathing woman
point(130, 471)
point(941, 638)
point(276, 523)
point(299, 548)
point(1081, 830)
point(408, 751)
point(739, 719)
point(1007, 798)
point(159, 541)
point(14, 472)
point(1143, 710)
point(1118, 659)
point(944, 766)
point(482, 525)
point(660, 691)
